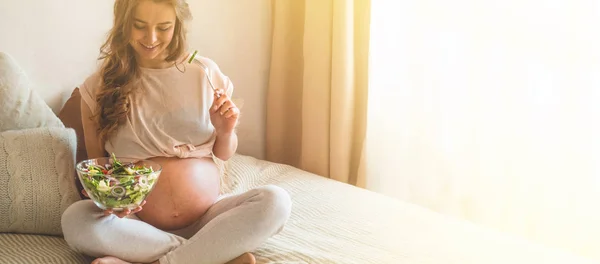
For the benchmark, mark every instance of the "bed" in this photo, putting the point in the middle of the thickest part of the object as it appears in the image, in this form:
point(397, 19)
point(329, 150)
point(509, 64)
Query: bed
point(333, 222)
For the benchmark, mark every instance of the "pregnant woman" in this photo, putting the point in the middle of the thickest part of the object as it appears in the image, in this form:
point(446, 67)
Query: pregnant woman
point(148, 102)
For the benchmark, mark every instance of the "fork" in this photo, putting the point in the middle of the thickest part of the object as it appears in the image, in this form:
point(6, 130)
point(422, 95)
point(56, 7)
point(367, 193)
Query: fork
point(205, 68)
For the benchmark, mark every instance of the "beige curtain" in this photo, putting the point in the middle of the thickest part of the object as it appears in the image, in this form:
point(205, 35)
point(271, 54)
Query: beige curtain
point(316, 102)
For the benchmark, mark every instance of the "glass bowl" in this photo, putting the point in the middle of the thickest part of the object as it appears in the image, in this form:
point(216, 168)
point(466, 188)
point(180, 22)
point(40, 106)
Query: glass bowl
point(118, 183)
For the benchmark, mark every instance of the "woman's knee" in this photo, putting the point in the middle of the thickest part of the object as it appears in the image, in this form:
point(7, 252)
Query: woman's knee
point(76, 221)
point(278, 204)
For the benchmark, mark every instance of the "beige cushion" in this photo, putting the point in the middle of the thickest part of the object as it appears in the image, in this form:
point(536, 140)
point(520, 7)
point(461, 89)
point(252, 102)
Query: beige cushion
point(20, 106)
point(36, 179)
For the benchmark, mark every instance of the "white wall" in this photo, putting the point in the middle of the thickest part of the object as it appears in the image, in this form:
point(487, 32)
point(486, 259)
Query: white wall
point(57, 43)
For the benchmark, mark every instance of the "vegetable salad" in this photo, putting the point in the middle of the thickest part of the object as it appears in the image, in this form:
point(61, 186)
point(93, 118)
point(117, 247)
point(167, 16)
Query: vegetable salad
point(118, 185)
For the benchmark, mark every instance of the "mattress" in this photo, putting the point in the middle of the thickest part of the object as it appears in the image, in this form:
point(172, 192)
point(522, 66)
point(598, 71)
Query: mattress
point(333, 222)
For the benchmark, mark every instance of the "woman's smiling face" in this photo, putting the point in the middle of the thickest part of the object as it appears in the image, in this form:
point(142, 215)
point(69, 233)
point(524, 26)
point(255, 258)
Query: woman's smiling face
point(152, 31)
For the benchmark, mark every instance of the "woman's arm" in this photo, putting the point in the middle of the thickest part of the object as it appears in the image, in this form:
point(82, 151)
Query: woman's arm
point(225, 145)
point(94, 148)
point(224, 117)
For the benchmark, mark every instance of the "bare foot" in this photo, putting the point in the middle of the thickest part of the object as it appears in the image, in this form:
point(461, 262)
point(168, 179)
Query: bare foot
point(246, 258)
point(109, 260)
point(112, 260)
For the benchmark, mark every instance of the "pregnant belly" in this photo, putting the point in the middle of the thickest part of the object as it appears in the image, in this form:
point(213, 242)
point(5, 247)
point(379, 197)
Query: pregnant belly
point(185, 190)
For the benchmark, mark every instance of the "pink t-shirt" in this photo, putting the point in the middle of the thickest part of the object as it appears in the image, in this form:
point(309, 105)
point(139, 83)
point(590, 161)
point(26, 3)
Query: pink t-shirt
point(169, 114)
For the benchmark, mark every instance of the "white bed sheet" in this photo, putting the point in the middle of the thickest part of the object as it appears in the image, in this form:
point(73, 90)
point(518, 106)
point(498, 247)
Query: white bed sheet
point(333, 222)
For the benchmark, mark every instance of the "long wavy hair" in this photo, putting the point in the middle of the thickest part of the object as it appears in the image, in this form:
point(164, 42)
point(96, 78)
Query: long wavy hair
point(120, 70)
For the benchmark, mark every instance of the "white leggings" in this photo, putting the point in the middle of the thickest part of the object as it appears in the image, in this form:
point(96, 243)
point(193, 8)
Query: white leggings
point(232, 226)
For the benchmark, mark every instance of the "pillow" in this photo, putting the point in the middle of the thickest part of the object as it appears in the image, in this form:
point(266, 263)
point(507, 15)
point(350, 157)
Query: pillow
point(36, 179)
point(20, 106)
point(70, 115)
